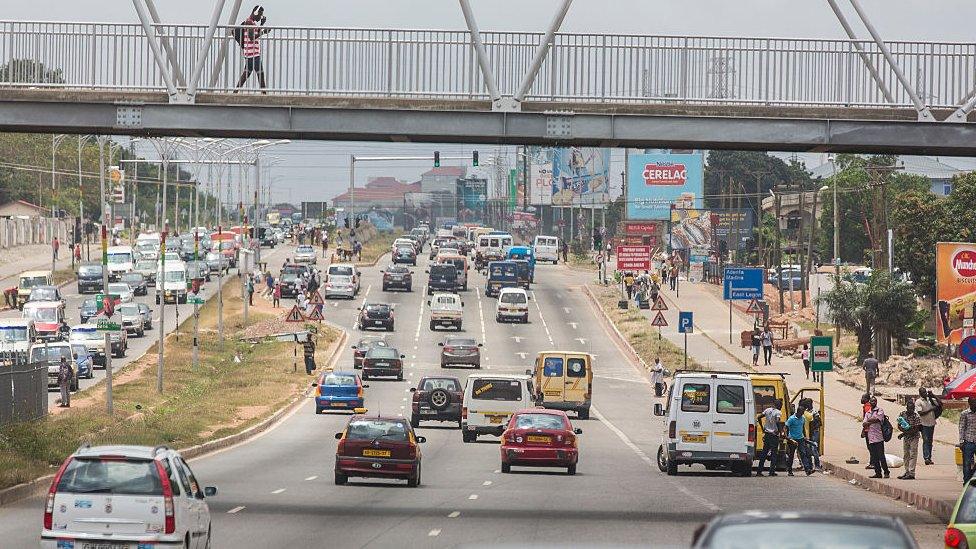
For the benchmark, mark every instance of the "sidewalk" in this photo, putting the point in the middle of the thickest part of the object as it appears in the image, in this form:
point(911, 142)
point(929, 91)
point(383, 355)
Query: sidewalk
point(937, 486)
point(29, 258)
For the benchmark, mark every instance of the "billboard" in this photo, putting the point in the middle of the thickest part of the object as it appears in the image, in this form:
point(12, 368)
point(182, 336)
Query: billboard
point(734, 227)
point(472, 194)
point(955, 290)
point(656, 181)
point(693, 230)
point(580, 176)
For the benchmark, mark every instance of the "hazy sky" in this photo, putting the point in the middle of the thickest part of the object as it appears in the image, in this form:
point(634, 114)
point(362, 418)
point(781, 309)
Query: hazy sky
point(320, 170)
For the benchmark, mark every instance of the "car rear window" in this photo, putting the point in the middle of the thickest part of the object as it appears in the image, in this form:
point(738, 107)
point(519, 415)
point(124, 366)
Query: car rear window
point(730, 399)
point(695, 397)
point(539, 421)
point(496, 389)
point(112, 477)
point(90, 270)
point(576, 367)
point(51, 354)
point(377, 429)
point(552, 367)
point(459, 342)
point(342, 380)
point(771, 533)
point(344, 270)
point(443, 270)
point(764, 396)
point(377, 351)
point(446, 384)
point(513, 297)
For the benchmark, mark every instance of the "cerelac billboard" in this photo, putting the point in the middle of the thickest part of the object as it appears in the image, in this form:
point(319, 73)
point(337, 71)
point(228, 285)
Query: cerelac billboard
point(656, 181)
point(955, 290)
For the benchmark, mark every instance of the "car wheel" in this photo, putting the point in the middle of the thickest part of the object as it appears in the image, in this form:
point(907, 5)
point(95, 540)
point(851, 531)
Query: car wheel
point(409, 288)
point(206, 544)
point(365, 376)
point(672, 468)
point(391, 327)
point(414, 421)
point(571, 470)
point(432, 326)
point(414, 482)
point(662, 459)
point(468, 437)
point(400, 376)
point(583, 413)
point(506, 468)
point(384, 288)
point(341, 479)
point(318, 410)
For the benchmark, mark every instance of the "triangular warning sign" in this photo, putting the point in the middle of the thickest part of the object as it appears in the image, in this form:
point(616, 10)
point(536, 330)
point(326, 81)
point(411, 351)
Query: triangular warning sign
point(659, 320)
point(754, 306)
point(295, 315)
point(315, 315)
point(660, 305)
point(316, 298)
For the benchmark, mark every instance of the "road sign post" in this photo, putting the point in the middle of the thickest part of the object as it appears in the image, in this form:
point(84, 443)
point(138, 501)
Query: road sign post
point(742, 283)
point(686, 325)
point(967, 349)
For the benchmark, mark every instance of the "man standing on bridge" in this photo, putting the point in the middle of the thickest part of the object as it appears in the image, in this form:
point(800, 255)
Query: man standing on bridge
point(251, 44)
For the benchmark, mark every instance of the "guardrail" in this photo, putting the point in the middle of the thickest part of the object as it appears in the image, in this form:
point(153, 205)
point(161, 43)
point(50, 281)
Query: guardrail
point(391, 63)
point(23, 388)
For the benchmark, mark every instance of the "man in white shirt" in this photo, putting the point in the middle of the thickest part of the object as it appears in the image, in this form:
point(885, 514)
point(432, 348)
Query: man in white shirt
point(926, 405)
point(657, 377)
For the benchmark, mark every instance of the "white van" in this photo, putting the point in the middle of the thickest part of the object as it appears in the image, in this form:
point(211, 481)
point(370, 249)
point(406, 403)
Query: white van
point(120, 260)
point(711, 420)
point(512, 304)
point(546, 248)
point(171, 283)
point(446, 310)
point(492, 247)
point(489, 402)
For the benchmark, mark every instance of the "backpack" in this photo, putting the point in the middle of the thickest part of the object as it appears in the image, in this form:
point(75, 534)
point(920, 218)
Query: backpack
point(937, 407)
point(239, 33)
point(887, 429)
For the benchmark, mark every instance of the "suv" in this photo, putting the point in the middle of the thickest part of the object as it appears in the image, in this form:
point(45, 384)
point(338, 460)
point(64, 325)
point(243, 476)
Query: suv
point(436, 398)
point(397, 276)
point(105, 496)
point(443, 278)
point(376, 315)
point(90, 278)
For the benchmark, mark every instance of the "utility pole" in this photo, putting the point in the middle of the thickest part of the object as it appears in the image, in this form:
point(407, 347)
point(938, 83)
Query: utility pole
point(833, 162)
point(760, 255)
point(161, 292)
point(779, 251)
point(798, 248)
point(109, 407)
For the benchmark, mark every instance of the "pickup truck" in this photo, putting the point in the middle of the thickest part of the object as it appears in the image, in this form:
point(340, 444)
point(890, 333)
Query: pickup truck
point(446, 310)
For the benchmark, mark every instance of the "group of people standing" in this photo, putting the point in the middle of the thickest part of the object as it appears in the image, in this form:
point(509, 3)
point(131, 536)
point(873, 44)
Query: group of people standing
point(800, 434)
point(915, 423)
point(762, 340)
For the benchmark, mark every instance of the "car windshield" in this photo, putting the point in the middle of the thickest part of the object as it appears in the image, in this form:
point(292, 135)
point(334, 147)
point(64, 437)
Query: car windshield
point(119, 288)
point(134, 278)
point(539, 421)
point(289, 277)
point(341, 380)
point(31, 281)
point(399, 269)
point(79, 350)
point(213, 256)
point(786, 534)
point(13, 334)
point(378, 308)
point(503, 270)
point(129, 310)
point(50, 354)
point(227, 245)
point(513, 297)
point(89, 304)
point(304, 250)
point(441, 383)
point(87, 334)
point(459, 342)
point(496, 389)
point(146, 265)
point(373, 429)
point(120, 257)
point(41, 314)
point(43, 294)
point(111, 476)
point(344, 270)
point(90, 270)
point(377, 351)
point(175, 276)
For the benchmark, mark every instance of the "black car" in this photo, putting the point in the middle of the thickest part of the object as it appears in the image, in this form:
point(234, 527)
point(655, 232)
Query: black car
point(88, 309)
point(90, 278)
point(383, 361)
point(360, 349)
point(376, 315)
point(405, 254)
point(436, 398)
point(137, 282)
point(443, 278)
point(397, 276)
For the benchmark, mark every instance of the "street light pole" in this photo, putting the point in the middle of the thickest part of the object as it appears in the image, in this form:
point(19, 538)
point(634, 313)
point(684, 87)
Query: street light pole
point(833, 163)
point(107, 342)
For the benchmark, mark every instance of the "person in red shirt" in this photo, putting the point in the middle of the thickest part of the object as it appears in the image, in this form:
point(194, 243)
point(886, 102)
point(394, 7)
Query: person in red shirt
point(251, 44)
point(56, 244)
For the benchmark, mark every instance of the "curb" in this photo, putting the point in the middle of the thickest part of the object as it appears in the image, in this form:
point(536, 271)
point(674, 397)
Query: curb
point(618, 337)
point(942, 509)
point(39, 486)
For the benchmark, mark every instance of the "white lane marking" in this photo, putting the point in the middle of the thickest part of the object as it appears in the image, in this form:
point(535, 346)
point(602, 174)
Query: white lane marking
point(278, 491)
point(481, 314)
point(454, 514)
point(486, 483)
point(420, 317)
point(543, 319)
point(368, 288)
point(473, 496)
point(313, 477)
point(236, 510)
point(434, 533)
point(650, 462)
point(497, 471)
point(567, 310)
point(575, 325)
point(643, 381)
point(581, 340)
point(517, 339)
point(521, 355)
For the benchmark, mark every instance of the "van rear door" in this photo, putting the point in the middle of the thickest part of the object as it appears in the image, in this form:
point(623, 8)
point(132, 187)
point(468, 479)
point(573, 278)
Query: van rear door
point(693, 429)
point(731, 416)
point(494, 400)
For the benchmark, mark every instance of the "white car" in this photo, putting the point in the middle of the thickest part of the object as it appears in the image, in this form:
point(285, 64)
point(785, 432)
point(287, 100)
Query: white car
point(513, 304)
point(339, 286)
point(122, 290)
point(305, 254)
point(344, 269)
point(126, 496)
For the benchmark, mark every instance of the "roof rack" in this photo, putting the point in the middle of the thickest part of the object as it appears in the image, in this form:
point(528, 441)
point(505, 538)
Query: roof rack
point(709, 372)
point(156, 449)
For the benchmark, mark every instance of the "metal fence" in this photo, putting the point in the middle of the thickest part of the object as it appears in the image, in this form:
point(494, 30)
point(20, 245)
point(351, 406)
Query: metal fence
point(391, 63)
point(23, 388)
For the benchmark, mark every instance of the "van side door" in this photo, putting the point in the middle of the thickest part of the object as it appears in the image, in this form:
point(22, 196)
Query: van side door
point(553, 378)
point(730, 422)
point(694, 415)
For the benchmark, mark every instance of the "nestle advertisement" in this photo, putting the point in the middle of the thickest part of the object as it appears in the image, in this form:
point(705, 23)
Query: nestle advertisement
point(955, 290)
point(656, 181)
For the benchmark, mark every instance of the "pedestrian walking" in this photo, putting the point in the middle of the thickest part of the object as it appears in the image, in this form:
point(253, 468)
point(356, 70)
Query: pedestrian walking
point(874, 422)
point(249, 288)
point(870, 365)
point(796, 441)
point(756, 340)
point(629, 284)
point(325, 245)
point(929, 408)
point(910, 425)
point(309, 348)
point(565, 252)
point(65, 376)
point(357, 248)
point(967, 439)
point(805, 357)
point(276, 296)
point(673, 273)
point(772, 426)
point(249, 38)
point(56, 245)
point(657, 377)
point(767, 345)
point(813, 425)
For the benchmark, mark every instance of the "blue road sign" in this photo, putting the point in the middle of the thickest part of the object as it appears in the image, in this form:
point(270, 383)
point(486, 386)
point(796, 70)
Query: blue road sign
point(686, 323)
point(967, 349)
point(743, 283)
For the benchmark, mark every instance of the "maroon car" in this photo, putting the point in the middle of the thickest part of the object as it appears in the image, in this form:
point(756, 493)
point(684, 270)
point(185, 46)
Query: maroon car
point(383, 361)
point(359, 350)
point(436, 398)
point(378, 447)
point(539, 437)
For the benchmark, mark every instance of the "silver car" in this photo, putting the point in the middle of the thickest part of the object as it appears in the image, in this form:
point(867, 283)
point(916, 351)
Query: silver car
point(133, 321)
point(305, 254)
point(217, 262)
point(339, 286)
point(121, 289)
point(147, 268)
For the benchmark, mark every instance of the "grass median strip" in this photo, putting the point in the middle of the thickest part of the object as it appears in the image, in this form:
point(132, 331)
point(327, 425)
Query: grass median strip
point(637, 330)
point(234, 387)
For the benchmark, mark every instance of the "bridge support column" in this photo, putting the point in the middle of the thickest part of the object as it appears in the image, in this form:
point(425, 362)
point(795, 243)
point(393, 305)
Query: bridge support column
point(542, 51)
point(174, 95)
point(191, 90)
point(174, 61)
point(860, 51)
point(479, 48)
point(222, 53)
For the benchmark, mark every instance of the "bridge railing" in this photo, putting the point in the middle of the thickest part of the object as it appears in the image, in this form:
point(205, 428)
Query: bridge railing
point(626, 69)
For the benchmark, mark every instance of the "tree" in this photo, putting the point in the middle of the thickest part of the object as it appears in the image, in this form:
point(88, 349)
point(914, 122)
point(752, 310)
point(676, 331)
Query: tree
point(881, 304)
point(30, 71)
point(745, 168)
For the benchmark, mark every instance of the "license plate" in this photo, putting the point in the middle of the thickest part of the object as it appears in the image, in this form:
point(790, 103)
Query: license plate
point(378, 322)
point(536, 438)
point(376, 453)
point(694, 439)
point(381, 365)
point(495, 419)
point(339, 404)
point(102, 545)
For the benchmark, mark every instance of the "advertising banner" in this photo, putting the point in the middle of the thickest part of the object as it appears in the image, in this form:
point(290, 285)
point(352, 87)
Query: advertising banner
point(955, 291)
point(579, 176)
point(540, 185)
point(648, 228)
point(633, 258)
point(471, 196)
point(656, 181)
point(693, 229)
point(734, 227)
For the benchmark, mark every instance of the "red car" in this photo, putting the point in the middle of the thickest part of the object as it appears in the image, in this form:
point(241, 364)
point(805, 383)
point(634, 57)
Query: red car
point(540, 438)
point(378, 447)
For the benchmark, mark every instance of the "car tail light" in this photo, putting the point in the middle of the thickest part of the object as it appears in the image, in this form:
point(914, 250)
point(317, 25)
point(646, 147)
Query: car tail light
point(52, 491)
point(448, 349)
point(359, 392)
point(168, 508)
point(672, 427)
point(342, 446)
point(417, 396)
point(752, 432)
point(464, 412)
point(570, 440)
point(955, 538)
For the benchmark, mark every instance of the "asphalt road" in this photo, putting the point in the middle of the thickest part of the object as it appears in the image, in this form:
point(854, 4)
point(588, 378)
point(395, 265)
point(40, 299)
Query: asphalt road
point(278, 490)
point(139, 345)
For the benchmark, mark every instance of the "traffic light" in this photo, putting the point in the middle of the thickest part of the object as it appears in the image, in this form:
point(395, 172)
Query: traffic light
point(437, 159)
point(357, 221)
point(597, 239)
point(474, 158)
